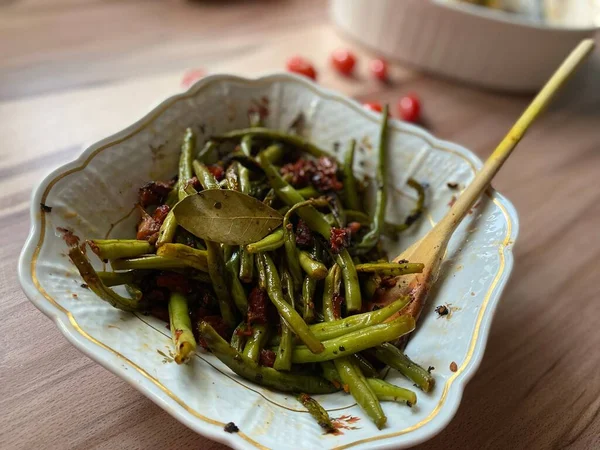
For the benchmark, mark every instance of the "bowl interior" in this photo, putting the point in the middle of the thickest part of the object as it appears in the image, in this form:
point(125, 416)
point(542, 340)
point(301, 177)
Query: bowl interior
point(95, 196)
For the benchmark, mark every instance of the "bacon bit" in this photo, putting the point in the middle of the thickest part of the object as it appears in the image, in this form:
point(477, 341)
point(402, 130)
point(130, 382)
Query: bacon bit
point(217, 172)
point(453, 366)
point(388, 282)
point(354, 227)
point(257, 306)
point(337, 305)
point(155, 192)
point(267, 358)
point(68, 236)
point(304, 237)
point(174, 282)
point(339, 239)
point(149, 225)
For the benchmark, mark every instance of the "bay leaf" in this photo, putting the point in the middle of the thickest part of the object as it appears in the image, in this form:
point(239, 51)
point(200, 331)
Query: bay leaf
point(225, 216)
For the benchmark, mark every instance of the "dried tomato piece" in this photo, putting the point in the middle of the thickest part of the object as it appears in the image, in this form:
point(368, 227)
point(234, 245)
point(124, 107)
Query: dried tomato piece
point(154, 192)
point(267, 358)
point(339, 239)
point(257, 306)
point(325, 177)
point(337, 305)
point(301, 171)
point(217, 172)
point(174, 282)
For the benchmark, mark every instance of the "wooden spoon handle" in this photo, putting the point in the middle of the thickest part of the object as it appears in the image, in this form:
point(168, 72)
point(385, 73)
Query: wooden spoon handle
point(466, 200)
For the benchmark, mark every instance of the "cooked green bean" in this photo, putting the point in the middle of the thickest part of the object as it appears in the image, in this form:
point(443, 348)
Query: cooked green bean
point(309, 285)
point(287, 312)
point(216, 270)
point(270, 242)
point(246, 145)
point(238, 338)
point(350, 191)
point(356, 341)
point(208, 148)
point(119, 248)
point(185, 162)
point(110, 279)
point(370, 239)
point(167, 230)
point(256, 342)
point(266, 376)
point(283, 356)
point(390, 268)
point(309, 192)
point(91, 278)
point(206, 179)
point(198, 259)
point(181, 328)
point(318, 412)
point(313, 268)
point(388, 392)
point(415, 214)
point(238, 293)
point(361, 363)
point(273, 135)
point(149, 262)
point(393, 357)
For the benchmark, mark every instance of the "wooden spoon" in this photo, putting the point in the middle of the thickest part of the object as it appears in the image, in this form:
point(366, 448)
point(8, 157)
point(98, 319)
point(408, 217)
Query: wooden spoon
point(430, 249)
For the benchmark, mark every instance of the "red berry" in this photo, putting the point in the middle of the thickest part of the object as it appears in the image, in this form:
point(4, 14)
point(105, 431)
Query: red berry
point(373, 106)
point(343, 61)
point(409, 108)
point(379, 69)
point(297, 64)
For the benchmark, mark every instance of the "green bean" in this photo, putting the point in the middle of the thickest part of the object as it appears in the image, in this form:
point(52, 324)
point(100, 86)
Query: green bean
point(330, 373)
point(283, 356)
point(110, 279)
point(287, 312)
point(274, 153)
point(415, 214)
point(309, 286)
point(388, 392)
point(216, 270)
point(370, 239)
point(266, 376)
point(356, 341)
point(119, 248)
point(149, 262)
point(232, 266)
point(167, 230)
point(350, 192)
point(198, 259)
point(185, 162)
point(274, 135)
point(289, 237)
point(390, 268)
point(260, 269)
point(91, 278)
point(318, 412)
point(207, 179)
point(246, 145)
point(246, 161)
point(309, 192)
point(313, 268)
point(208, 148)
point(238, 339)
point(364, 366)
point(351, 377)
point(270, 242)
point(393, 357)
point(315, 221)
point(256, 342)
point(181, 328)
point(336, 328)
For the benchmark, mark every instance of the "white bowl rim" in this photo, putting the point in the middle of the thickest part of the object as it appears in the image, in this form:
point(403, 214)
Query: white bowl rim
point(511, 18)
point(138, 378)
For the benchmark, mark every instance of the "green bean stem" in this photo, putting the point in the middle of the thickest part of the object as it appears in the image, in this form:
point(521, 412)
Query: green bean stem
point(266, 376)
point(388, 392)
point(356, 341)
point(181, 328)
point(318, 412)
point(287, 312)
point(396, 359)
point(119, 248)
point(313, 268)
point(370, 239)
point(270, 242)
point(256, 342)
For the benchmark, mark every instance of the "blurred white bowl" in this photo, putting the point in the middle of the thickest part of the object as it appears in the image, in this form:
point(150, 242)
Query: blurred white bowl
point(473, 44)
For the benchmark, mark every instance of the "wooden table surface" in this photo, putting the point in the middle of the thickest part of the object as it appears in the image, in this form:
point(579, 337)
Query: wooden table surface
point(73, 71)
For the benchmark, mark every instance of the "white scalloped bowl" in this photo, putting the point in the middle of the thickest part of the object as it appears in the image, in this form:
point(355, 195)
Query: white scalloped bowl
point(94, 194)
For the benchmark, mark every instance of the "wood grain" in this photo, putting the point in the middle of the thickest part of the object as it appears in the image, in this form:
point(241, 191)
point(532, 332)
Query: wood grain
point(63, 84)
